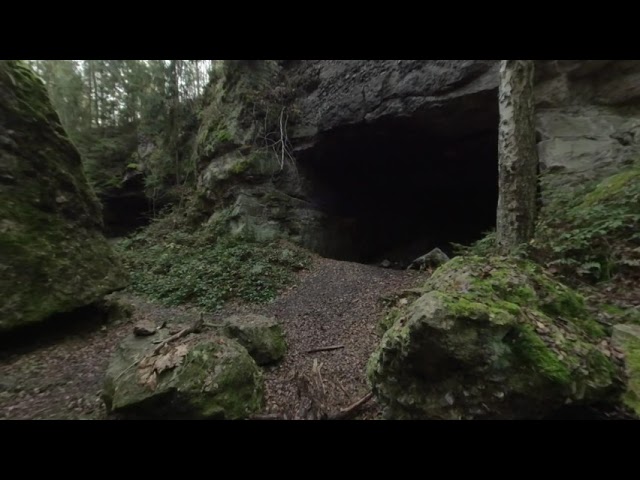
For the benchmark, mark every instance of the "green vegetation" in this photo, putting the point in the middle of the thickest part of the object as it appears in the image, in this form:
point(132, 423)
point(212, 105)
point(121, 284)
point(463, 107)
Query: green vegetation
point(110, 108)
point(594, 233)
point(106, 154)
point(207, 267)
point(485, 246)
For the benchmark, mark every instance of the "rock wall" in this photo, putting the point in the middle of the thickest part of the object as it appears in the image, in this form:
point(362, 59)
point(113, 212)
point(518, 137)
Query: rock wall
point(588, 118)
point(311, 105)
point(53, 257)
point(587, 115)
point(450, 98)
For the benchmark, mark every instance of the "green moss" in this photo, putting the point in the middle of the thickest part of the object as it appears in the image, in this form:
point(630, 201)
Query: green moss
point(470, 306)
point(261, 336)
point(601, 369)
point(53, 257)
point(486, 246)
point(612, 188)
point(237, 389)
point(222, 135)
point(511, 283)
point(621, 315)
point(389, 318)
point(612, 309)
point(632, 396)
point(33, 101)
point(539, 356)
point(490, 337)
point(216, 379)
point(241, 166)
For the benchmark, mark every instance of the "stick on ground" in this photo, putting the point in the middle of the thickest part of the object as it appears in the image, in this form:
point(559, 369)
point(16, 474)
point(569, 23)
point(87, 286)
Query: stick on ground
point(351, 409)
point(324, 349)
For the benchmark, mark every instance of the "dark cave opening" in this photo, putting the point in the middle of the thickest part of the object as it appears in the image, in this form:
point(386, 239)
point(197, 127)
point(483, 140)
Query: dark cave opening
point(392, 191)
point(125, 209)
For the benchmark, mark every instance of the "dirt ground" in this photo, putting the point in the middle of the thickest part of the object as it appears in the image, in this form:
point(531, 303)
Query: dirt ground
point(56, 371)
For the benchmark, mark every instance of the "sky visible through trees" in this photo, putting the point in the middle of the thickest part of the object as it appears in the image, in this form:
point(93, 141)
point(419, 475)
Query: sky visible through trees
point(111, 93)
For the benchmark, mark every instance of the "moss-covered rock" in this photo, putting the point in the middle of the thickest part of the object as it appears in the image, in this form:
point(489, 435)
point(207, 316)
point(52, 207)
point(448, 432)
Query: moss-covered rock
point(492, 338)
point(627, 339)
point(53, 256)
point(203, 377)
point(261, 336)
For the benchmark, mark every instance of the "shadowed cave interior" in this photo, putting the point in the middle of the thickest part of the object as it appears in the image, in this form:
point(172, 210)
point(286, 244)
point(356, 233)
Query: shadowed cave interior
point(392, 191)
point(126, 209)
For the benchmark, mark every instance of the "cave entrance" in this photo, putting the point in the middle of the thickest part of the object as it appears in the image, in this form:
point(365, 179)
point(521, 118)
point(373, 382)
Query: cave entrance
point(392, 191)
point(125, 209)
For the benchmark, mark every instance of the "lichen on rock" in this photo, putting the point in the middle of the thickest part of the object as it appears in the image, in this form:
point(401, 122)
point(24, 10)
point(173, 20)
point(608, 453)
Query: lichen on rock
point(53, 257)
point(492, 338)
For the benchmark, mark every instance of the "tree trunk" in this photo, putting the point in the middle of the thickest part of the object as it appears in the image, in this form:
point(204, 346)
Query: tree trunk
point(96, 104)
point(517, 156)
point(174, 98)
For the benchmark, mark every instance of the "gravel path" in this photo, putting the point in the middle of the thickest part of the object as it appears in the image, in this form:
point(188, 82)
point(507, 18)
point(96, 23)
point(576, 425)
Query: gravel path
point(56, 372)
point(336, 304)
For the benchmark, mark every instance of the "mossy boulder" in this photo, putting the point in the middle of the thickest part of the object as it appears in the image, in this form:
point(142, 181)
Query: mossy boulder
point(53, 256)
point(627, 339)
point(202, 377)
point(261, 336)
point(492, 338)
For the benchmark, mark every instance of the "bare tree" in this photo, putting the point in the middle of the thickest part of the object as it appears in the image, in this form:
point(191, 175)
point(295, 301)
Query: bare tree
point(517, 156)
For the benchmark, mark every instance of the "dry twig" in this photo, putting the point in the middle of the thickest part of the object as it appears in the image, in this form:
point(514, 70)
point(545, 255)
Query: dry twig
point(324, 349)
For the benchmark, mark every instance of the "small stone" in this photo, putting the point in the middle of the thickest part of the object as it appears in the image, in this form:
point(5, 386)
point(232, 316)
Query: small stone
point(144, 328)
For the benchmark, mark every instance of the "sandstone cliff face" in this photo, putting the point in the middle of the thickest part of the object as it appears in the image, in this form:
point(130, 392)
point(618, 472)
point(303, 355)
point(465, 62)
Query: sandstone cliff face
point(374, 147)
point(450, 98)
point(588, 118)
point(338, 120)
point(53, 257)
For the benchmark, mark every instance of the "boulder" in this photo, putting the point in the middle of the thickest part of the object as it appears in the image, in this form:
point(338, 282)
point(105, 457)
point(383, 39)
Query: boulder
point(627, 339)
point(492, 338)
point(199, 377)
point(434, 258)
point(261, 336)
point(53, 256)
